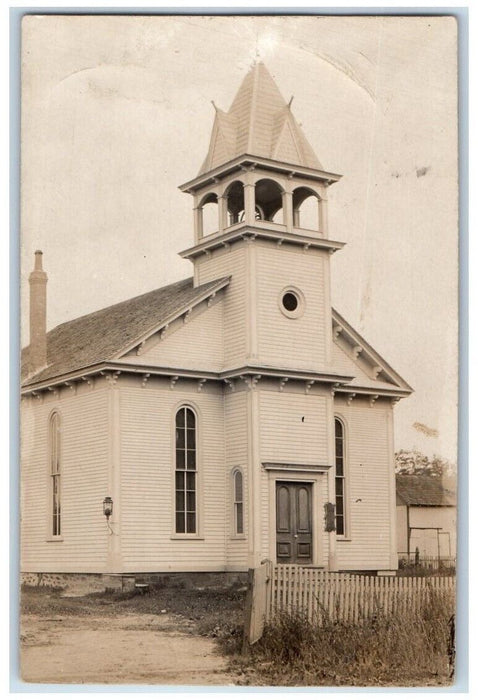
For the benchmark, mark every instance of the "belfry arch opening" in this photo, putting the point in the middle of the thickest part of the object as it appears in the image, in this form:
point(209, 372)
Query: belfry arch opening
point(306, 209)
point(235, 203)
point(209, 215)
point(268, 200)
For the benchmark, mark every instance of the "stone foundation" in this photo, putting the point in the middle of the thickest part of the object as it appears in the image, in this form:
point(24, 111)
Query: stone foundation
point(75, 584)
point(195, 579)
point(82, 584)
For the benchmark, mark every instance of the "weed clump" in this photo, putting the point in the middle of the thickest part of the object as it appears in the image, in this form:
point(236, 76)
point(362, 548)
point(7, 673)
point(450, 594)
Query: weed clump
point(411, 648)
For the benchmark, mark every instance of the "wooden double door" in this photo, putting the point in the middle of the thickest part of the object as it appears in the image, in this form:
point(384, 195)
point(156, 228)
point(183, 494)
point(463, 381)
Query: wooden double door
point(293, 522)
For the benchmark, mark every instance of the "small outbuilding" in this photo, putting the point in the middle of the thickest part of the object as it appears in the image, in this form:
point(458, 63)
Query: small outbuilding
point(426, 518)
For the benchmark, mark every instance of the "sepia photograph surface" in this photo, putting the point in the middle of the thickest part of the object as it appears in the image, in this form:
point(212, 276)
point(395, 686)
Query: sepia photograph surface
point(239, 323)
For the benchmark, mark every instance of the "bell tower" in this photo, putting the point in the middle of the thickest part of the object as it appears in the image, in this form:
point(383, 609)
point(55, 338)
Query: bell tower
point(260, 216)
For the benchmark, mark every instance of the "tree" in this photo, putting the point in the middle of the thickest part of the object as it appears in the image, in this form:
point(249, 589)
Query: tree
point(415, 462)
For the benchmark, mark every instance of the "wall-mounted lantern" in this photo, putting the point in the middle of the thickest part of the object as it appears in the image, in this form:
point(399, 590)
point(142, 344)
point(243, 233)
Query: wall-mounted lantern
point(107, 507)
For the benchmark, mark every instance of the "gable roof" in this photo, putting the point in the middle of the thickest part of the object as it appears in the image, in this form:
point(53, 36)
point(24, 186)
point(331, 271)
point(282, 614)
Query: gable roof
point(101, 335)
point(107, 334)
point(259, 123)
point(343, 363)
point(418, 490)
point(385, 375)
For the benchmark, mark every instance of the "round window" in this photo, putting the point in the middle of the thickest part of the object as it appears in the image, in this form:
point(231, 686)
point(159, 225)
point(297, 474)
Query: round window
point(291, 302)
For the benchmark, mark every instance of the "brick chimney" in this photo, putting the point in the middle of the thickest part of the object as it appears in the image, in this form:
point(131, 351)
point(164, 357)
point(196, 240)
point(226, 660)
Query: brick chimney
point(38, 279)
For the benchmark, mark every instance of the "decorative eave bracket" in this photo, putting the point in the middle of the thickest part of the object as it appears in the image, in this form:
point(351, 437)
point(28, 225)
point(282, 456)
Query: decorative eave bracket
point(250, 381)
point(283, 381)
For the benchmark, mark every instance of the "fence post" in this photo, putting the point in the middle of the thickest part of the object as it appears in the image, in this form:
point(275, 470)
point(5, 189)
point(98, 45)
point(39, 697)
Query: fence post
point(256, 604)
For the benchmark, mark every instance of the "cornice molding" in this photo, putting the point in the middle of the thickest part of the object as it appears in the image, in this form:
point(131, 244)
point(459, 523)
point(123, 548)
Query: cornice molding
point(250, 374)
point(246, 372)
point(291, 467)
point(246, 161)
point(257, 232)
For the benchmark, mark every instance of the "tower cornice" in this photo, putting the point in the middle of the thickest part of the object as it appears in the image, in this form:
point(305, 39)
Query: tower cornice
point(247, 161)
point(248, 232)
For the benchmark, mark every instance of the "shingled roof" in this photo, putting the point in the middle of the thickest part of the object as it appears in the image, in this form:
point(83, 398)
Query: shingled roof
point(258, 123)
point(99, 336)
point(418, 490)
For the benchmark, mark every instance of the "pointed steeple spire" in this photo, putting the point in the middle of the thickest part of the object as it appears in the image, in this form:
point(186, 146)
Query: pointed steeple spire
point(258, 123)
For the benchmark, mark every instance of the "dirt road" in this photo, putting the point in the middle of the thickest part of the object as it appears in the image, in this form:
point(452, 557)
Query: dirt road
point(131, 649)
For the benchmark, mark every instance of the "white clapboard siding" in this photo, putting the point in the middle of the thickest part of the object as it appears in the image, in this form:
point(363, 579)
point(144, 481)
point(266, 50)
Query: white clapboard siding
point(296, 343)
point(368, 470)
point(147, 469)
point(197, 344)
point(293, 427)
point(220, 264)
point(235, 413)
point(84, 483)
point(344, 364)
point(293, 430)
point(265, 514)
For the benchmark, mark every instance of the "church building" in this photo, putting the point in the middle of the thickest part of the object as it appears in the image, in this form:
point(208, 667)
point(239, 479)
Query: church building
point(225, 419)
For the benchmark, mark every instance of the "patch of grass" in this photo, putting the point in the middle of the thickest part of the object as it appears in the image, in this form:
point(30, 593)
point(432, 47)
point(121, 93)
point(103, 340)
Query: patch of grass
point(210, 612)
point(411, 649)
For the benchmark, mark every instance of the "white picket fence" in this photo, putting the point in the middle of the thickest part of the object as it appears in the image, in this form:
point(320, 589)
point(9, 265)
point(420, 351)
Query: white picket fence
point(346, 597)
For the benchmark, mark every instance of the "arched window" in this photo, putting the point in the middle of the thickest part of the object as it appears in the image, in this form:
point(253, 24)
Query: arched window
point(339, 477)
point(55, 474)
point(235, 202)
point(238, 489)
point(306, 207)
point(269, 201)
point(209, 215)
point(186, 471)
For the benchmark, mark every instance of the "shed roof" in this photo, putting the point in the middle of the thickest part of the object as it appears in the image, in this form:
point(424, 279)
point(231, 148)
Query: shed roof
point(102, 334)
point(419, 490)
point(259, 123)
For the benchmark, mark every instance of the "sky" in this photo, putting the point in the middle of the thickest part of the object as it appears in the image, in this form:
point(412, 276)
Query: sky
point(117, 113)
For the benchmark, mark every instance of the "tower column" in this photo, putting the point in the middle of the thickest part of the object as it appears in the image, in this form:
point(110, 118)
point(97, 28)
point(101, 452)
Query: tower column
point(323, 219)
point(250, 203)
point(288, 214)
point(197, 211)
point(222, 212)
